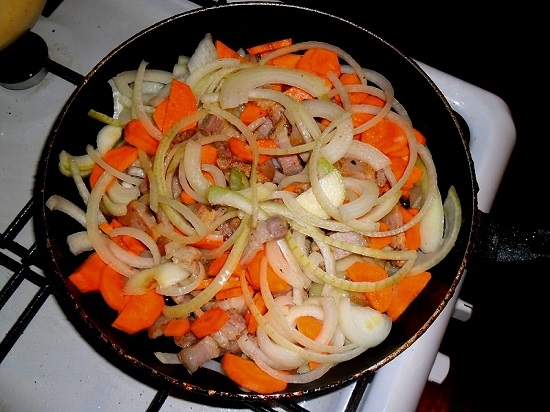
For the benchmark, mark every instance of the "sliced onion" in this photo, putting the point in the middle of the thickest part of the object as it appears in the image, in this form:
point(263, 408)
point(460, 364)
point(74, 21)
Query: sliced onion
point(453, 221)
point(280, 357)
point(84, 162)
point(197, 225)
point(193, 171)
point(363, 325)
point(138, 108)
point(122, 194)
point(184, 287)
point(368, 194)
point(64, 205)
point(78, 181)
point(131, 259)
point(79, 242)
point(346, 284)
point(165, 275)
point(281, 266)
point(368, 154)
point(238, 86)
point(140, 235)
point(110, 169)
point(340, 139)
point(99, 241)
point(107, 138)
point(203, 54)
point(295, 112)
point(183, 309)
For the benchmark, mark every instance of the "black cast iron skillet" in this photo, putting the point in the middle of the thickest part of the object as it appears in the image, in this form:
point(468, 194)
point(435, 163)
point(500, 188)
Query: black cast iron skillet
point(241, 25)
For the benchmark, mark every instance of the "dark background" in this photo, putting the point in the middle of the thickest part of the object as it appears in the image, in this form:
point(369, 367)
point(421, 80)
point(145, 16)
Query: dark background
point(500, 49)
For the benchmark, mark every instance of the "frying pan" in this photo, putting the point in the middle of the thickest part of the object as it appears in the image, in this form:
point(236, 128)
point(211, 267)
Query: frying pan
point(240, 25)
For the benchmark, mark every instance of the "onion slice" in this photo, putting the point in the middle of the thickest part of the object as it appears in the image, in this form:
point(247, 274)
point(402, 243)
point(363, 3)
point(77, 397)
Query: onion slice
point(238, 86)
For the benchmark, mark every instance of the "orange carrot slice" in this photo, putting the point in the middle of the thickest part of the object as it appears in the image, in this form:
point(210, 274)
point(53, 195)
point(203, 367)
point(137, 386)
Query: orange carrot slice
point(412, 235)
point(381, 242)
point(286, 60)
point(251, 113)
point(216, 265)
point(224, 51)
point(160, 113)
point(126, 242)
point(209, 154)
point(121, 158)
point(181, 102)
point(136, 134)
point(405, 292)
point(269, 46)
point(360, 97)
point(247, 374)
point(298, 94)
point(86, 276)
point(187, 199)
point(252, 323)
point(371, 272)
point(211, 321)
point(241, 149)
point(320, 62)
point(177, 327)
point(111, 287)
point(309, 326)
point(140, 312)
point(211, 241)
point(275, 282)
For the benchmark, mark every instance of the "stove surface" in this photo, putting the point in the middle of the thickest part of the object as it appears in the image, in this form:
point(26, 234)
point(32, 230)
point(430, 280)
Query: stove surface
point(50, 360)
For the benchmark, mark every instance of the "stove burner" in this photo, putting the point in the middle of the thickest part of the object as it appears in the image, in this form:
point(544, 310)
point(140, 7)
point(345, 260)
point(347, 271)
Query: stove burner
point(24, 62)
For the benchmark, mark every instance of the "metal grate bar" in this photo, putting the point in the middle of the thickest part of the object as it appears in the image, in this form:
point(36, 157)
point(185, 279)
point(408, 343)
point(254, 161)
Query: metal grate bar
point(15, 227)
point(358, 392)
point(291, 406)
point(159, 399)
point(23, 321)
point(20, 273)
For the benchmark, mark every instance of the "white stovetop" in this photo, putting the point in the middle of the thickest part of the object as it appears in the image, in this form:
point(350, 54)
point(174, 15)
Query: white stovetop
point(51, 368)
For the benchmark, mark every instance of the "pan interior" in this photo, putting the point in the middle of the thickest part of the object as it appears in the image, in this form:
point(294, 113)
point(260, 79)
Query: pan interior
point(160, 45)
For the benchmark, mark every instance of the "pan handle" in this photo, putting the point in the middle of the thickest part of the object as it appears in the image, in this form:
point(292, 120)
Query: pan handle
point(499, 242)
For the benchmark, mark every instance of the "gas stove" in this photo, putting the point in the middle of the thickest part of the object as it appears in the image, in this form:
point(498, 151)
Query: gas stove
point(45, 364)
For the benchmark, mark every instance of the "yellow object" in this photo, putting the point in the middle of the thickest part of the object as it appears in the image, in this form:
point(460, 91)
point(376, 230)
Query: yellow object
point(17, 17)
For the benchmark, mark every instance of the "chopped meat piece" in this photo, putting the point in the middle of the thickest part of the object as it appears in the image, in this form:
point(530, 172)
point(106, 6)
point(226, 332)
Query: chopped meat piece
point(198, 353)
point(291, 164)
point(356, 168)
point(155, 330)
point(227, 336)
point(229, 227)
point(210, 125)
point(186, 340)
point(266, 172)
point(349, 237)
point(274, 227)
point(205, 213)
point(186, 255)
point(264, 130)
point(183, 136)
point(277, 227)
point(139, 216)
point(275, 110)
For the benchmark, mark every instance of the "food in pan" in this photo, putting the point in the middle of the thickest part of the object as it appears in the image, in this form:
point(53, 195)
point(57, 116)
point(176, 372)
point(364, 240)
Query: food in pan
point(273, 208)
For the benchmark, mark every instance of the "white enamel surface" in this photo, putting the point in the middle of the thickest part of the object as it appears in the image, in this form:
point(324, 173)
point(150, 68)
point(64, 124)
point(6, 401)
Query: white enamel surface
point(52, 368)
